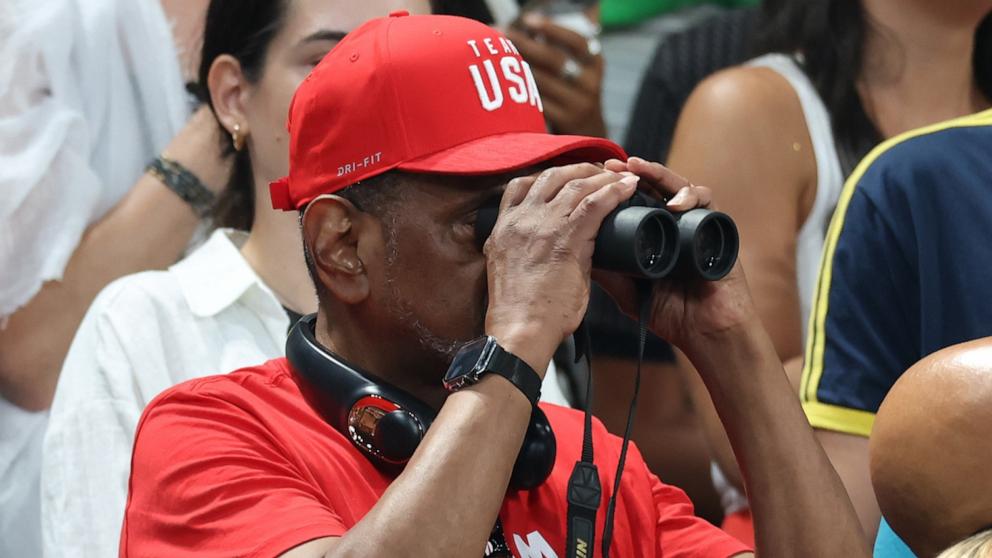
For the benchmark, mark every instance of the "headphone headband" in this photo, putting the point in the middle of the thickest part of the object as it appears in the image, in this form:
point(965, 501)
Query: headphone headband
point(386, 423)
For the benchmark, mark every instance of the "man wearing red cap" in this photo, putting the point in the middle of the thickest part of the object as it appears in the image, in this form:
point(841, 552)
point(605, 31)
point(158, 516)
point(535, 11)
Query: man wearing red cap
point(398, 137)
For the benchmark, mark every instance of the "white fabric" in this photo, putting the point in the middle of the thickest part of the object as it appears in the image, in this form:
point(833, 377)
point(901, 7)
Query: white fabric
point(731, 499)
point(829, 177)
point(90, 90)
point(207, 314)
point(20, 474)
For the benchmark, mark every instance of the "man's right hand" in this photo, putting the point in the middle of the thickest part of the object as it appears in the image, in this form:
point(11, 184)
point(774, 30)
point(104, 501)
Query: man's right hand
point(539, 255)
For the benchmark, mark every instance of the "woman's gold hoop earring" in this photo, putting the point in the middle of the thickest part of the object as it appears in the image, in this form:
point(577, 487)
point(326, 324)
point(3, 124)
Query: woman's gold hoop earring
point(237, 138)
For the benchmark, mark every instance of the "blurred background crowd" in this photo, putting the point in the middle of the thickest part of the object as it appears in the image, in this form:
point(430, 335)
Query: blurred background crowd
point(851, 141)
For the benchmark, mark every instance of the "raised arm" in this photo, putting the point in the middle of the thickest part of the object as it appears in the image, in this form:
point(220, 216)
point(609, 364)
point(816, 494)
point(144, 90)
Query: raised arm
point(148, 229)
point(743, 134)
point(718, 328)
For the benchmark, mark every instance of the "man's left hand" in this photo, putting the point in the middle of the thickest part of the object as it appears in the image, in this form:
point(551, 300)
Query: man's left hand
point(683, 312)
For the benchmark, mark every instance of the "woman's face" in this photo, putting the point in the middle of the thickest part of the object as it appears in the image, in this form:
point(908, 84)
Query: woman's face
point(310, 30)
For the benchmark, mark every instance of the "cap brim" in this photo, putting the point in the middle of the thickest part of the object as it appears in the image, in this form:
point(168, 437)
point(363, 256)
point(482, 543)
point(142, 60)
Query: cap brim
point(513, 151)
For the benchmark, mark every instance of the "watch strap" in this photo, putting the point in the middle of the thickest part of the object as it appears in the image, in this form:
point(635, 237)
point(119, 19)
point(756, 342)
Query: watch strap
point(513, 368)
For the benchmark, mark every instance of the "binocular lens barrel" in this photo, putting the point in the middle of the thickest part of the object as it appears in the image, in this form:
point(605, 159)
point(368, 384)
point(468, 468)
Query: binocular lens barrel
point(642, 239)
point(708, 244)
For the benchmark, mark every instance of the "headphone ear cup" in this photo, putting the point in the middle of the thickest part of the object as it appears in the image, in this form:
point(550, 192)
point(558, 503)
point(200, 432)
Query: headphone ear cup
point(397, 435)
point(537, 454)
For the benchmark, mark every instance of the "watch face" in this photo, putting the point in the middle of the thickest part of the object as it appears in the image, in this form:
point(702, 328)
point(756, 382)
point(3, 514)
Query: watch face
point(463, 367)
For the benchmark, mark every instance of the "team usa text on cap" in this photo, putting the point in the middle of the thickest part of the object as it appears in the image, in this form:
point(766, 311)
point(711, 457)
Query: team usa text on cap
point(516, 75)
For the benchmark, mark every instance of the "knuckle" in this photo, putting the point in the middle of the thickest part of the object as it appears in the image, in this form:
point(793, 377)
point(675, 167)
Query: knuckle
point(588, 168)
point(518, 183)
point(590, 204)
point(577, 185)
point(549, 174)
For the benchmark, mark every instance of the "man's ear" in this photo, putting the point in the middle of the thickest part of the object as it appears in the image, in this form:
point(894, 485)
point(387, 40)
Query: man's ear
point(229, 91)
point(331, 230)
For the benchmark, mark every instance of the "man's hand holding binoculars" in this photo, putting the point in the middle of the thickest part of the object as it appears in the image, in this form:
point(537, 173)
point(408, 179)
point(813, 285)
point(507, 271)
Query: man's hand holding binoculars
point(684, 311)
point(539, 255)
point(551, 229)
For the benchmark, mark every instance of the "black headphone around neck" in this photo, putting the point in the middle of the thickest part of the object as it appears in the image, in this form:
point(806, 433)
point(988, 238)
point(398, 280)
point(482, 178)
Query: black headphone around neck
point(387, 423)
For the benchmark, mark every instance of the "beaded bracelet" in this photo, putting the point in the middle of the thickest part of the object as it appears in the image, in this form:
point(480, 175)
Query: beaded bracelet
point(183, 183)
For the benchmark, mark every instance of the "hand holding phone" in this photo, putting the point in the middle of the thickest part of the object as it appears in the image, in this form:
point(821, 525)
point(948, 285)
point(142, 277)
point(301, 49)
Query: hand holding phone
point(559, 41)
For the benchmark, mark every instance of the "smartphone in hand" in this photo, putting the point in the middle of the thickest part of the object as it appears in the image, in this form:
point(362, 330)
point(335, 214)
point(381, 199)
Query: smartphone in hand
point(570, 14)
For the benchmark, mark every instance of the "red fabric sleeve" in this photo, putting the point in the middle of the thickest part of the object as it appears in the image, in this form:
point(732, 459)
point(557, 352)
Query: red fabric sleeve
point(208, 480)
point(681, 534)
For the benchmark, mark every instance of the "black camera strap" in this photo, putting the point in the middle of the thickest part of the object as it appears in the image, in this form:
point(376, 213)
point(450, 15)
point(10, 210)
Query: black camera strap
point(584, 488)
point(643, 315)
point(584, 491)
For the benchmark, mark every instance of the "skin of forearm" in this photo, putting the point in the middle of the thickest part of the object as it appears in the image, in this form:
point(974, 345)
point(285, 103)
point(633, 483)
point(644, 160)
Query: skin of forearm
point(450, 493)
point(717, 439)
point(797, 499)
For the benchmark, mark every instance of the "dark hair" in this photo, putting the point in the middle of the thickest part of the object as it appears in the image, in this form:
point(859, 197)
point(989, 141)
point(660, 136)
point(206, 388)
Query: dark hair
point(473, 9)
point(243, 29)
point(830, 34)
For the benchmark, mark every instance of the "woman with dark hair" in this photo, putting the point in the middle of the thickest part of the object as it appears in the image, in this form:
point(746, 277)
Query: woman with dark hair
point(228, 304)
point(777, 136)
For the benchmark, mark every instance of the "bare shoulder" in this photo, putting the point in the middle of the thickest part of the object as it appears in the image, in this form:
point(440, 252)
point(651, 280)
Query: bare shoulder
point(745, 121)
point(746, 94)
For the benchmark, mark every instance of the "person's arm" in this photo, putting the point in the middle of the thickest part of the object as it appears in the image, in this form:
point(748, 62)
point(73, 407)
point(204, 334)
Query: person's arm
point(798, 502)
point(743, 134)
point(848, 453)
point(148, 229)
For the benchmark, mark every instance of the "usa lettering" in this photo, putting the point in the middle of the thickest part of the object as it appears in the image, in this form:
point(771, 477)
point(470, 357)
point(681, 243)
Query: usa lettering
point(503, 79)
point(349, 168)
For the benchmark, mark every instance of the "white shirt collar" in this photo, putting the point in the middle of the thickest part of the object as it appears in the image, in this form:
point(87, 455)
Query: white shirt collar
point(216, 275)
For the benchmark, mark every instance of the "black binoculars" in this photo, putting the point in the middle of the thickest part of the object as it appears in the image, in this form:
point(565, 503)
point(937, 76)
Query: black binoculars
point(643, 239)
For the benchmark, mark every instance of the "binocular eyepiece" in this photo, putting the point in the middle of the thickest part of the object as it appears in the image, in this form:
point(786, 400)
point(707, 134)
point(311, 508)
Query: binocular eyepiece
point(643, 239)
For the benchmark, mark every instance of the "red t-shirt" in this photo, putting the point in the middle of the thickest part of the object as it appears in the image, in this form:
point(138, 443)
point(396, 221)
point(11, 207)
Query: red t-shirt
point(241, 465)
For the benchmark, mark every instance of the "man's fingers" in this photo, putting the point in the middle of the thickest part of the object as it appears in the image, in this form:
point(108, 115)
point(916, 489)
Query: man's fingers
point(661, 175)
point(592, 209)
point(615, 165)
point(690, 197)
point(546, 187)
point(574, 191)
point(516, 191)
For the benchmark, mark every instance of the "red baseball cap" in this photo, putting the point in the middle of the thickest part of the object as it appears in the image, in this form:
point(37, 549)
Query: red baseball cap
point(430, 94)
